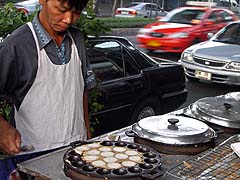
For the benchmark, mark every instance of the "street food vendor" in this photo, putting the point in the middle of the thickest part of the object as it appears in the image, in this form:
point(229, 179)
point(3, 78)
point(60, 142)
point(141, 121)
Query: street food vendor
point(45, 72)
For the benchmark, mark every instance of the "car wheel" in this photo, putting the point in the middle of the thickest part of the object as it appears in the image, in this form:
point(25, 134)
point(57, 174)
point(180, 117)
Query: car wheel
point(192, 79)
point(148, 107)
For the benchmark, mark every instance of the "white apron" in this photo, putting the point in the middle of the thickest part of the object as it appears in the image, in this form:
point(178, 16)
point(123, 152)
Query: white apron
point(51, 114)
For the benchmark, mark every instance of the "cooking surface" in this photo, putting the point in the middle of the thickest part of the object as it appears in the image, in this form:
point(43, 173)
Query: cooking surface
point(221, 163)
point(117, 158)
point(50, 166)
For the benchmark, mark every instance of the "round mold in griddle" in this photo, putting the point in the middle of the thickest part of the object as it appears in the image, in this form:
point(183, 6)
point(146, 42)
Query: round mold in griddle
point(135, 169)
point(107, 143)
point(150, 160)
point(77, 164)
point(103, 171)
point(88, 168)
point(146, 166)
point(149, 155)
point(120, 171)
point(120, 144)
point(133, 146)
point(74, 158)
point(143, 150)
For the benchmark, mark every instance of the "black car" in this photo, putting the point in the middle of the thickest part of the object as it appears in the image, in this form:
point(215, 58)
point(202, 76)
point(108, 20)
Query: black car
point(133, 85)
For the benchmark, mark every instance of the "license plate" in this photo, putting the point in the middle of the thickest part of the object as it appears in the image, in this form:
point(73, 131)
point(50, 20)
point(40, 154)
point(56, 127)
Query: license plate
point(154, 43)
point(124, 12)
point(203, 75)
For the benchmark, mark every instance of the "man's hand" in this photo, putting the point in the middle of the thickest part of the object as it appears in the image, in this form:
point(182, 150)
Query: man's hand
point(10, 138)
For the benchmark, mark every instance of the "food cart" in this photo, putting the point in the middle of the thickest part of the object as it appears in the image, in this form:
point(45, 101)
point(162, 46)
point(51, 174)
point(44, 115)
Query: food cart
point(216, 161)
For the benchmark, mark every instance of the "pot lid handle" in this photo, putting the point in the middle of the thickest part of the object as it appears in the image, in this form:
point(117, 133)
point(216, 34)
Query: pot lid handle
point(173, 122)
point(227, 106)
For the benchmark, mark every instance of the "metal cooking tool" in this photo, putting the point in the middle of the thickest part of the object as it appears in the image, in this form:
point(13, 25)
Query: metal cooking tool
point(173, 134)
point(220, 110)
point(171, 129)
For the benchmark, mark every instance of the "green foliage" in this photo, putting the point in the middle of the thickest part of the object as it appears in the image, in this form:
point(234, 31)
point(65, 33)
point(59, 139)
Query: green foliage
point(5, 109)
point(10, 19)
point(89, 25)
point(94, 106)
point(126, 22)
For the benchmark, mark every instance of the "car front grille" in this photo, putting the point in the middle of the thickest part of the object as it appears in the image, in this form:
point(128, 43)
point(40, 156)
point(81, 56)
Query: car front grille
point(209, 62)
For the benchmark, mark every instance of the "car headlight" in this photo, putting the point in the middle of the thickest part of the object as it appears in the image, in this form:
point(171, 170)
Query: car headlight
point(234, 66)
point(144, 31)
point(187, 57)
point(179, 35)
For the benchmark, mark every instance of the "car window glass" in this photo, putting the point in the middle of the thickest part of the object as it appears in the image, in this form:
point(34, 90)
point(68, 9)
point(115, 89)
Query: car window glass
point(148, 7)
point(226, 16)
point(186, 16)
point(214, 16)
point(130, 67)
point(106, 59)
point(230, 34)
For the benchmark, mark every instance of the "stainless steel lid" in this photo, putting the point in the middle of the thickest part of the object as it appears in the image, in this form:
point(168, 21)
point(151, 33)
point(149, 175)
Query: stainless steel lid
point(221, 110)
point(172, 129)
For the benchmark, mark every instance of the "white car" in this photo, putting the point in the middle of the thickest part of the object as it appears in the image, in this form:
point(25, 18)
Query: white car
point(216, 60)
point(140, 9)
point(28, 6)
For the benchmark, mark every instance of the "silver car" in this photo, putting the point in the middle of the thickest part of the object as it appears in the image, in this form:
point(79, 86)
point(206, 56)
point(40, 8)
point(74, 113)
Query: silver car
point(140, 9)
point(216, 60)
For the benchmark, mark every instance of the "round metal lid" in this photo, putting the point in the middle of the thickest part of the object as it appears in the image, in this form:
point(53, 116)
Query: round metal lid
point(221, 110)
point(172, 129)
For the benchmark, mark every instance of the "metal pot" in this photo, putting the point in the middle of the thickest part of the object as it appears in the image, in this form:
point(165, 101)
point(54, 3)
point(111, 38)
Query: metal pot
point(223, 111)
point(173, 134)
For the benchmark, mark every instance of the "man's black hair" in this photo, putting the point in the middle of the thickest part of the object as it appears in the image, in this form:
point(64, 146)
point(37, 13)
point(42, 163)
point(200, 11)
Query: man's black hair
point(79, 5)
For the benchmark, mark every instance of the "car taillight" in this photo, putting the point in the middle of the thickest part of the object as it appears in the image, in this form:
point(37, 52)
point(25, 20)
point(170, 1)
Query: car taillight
point(132, 12)
point(23, 10)
point(117, 12)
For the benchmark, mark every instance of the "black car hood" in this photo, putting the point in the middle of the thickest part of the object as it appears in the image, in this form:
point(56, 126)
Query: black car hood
point(217, 51)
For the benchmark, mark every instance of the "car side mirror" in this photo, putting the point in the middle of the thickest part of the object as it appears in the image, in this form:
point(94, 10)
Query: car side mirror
point(209, 22)
point(210, 35)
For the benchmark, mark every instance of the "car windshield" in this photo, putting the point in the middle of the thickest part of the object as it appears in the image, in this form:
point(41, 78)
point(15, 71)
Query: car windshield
point(229, 34)
point(184, 16)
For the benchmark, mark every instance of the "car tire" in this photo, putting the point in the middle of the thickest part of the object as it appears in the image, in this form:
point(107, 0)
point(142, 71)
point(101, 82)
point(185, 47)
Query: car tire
point(147, 107)
point(192, 79)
